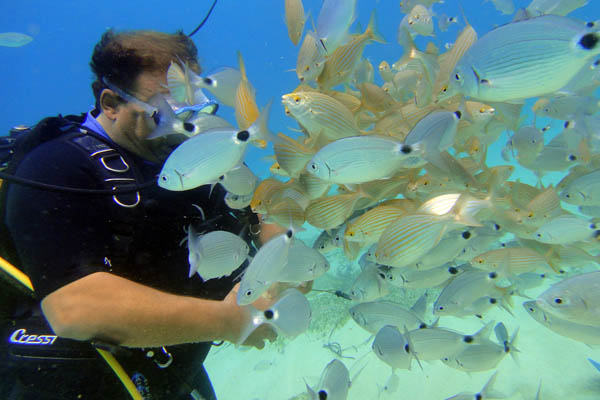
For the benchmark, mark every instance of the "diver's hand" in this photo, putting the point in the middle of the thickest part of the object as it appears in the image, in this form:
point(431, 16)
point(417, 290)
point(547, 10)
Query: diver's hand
point(237, 319)
point(275, 290)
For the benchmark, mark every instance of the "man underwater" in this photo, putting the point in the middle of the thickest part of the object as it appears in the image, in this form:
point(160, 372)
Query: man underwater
point(110, 268)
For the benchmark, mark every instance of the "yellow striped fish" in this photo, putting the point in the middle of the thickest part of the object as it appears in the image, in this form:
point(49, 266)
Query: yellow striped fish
point(510, 260)
point(331, 211)
point(291, 155)
point(368, 227)
point(263, 191)
point(448, 60)
point(340, 65)
point(246, 110)
point(294, 19)
point(285, 213)
point(321, 115)
point(410, 237)
point(291, 189)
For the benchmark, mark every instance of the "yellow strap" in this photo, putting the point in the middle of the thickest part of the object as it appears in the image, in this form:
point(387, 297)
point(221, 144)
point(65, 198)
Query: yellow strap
point(16, 273)
point(121, 374)
point(107, 356)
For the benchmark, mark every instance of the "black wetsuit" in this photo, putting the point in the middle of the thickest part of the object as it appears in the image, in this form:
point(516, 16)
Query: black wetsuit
point(61, 237)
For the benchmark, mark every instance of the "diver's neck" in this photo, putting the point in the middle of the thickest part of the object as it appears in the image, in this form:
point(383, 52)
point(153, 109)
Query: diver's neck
point(106, 124)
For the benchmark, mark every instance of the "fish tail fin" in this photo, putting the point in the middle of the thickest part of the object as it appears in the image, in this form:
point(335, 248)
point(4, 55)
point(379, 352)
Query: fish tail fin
point(372, 31)
point(464, 210)
point(488, 392)
point(176, 82)
point(411, 348)
point(291, 155)
point(420, 306)
point(242, 66)
point(168, 123)
point(511, 347)
point(259, 131)
point(484, 332)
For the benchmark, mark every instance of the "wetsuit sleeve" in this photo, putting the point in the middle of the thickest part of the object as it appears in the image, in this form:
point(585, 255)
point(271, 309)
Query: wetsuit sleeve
point(59, 237)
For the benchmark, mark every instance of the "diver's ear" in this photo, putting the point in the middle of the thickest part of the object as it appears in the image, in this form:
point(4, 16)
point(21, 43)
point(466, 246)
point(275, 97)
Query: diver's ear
point(109, 103)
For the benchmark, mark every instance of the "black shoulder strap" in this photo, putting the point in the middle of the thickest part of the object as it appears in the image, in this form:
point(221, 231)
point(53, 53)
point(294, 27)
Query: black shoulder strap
point(114, 168)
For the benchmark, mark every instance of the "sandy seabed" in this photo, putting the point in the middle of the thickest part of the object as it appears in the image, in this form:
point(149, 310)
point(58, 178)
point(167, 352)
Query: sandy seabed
point(278, 371)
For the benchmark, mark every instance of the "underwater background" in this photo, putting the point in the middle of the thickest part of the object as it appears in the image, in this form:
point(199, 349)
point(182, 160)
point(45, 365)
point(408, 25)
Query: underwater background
point(51, 75)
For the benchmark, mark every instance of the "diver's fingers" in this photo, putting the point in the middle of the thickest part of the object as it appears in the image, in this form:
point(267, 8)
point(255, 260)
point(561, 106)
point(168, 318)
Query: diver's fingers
point(260, 334)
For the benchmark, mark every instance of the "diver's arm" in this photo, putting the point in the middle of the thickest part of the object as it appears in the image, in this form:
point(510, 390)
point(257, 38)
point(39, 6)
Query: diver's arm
point(107, 307)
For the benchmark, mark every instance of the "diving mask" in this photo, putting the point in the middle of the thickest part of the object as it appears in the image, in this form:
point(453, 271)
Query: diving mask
point(168, 115)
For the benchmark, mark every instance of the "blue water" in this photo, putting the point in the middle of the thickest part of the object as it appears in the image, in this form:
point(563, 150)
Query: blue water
point(51, 75)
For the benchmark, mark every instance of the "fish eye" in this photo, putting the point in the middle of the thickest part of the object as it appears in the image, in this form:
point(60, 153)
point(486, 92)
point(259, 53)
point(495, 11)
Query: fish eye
point(306, 68)
point(269, 314)
point(440, 308)
point(249, 292)
point(572, 157)
point(323, 395)
point(296, 99)
point(314, 166)
point(558, 300)
point(457, 77)
point(531, 309)
point(164, 178)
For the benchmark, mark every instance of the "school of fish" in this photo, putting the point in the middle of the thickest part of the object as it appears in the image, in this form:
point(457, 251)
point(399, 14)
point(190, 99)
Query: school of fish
point(395, 174)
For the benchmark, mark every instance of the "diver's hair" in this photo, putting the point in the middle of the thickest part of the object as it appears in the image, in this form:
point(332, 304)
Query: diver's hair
point(121, 57)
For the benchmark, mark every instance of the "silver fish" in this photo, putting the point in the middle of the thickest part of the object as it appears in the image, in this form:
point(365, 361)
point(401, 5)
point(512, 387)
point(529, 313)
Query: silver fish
point(487, 392)
point(303, 264)
point(215, 254)
point(583, 191)
point(202, 159)
point(556, 7)
point(14, 39)
point(333, 22)
point(369, 285)
point(359, 159)
point(237, 202)
point(575, 299)
point(524, 59)
point(324, 243)
point(391, 347)
point(565, 229)
point(467, 288)
point(410, 278)
point(437, 343)
point(266, 265)
point(334, 383)
point(374, 315)
point(589, 335)
point(240, 180)
point(486, 355)
point(289, 315)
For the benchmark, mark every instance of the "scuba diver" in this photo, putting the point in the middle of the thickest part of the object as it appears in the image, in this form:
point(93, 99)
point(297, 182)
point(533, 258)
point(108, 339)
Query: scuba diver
point(114, 314)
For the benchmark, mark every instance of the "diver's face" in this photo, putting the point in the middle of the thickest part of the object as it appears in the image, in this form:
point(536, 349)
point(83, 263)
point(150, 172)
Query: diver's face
point(133, 125)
